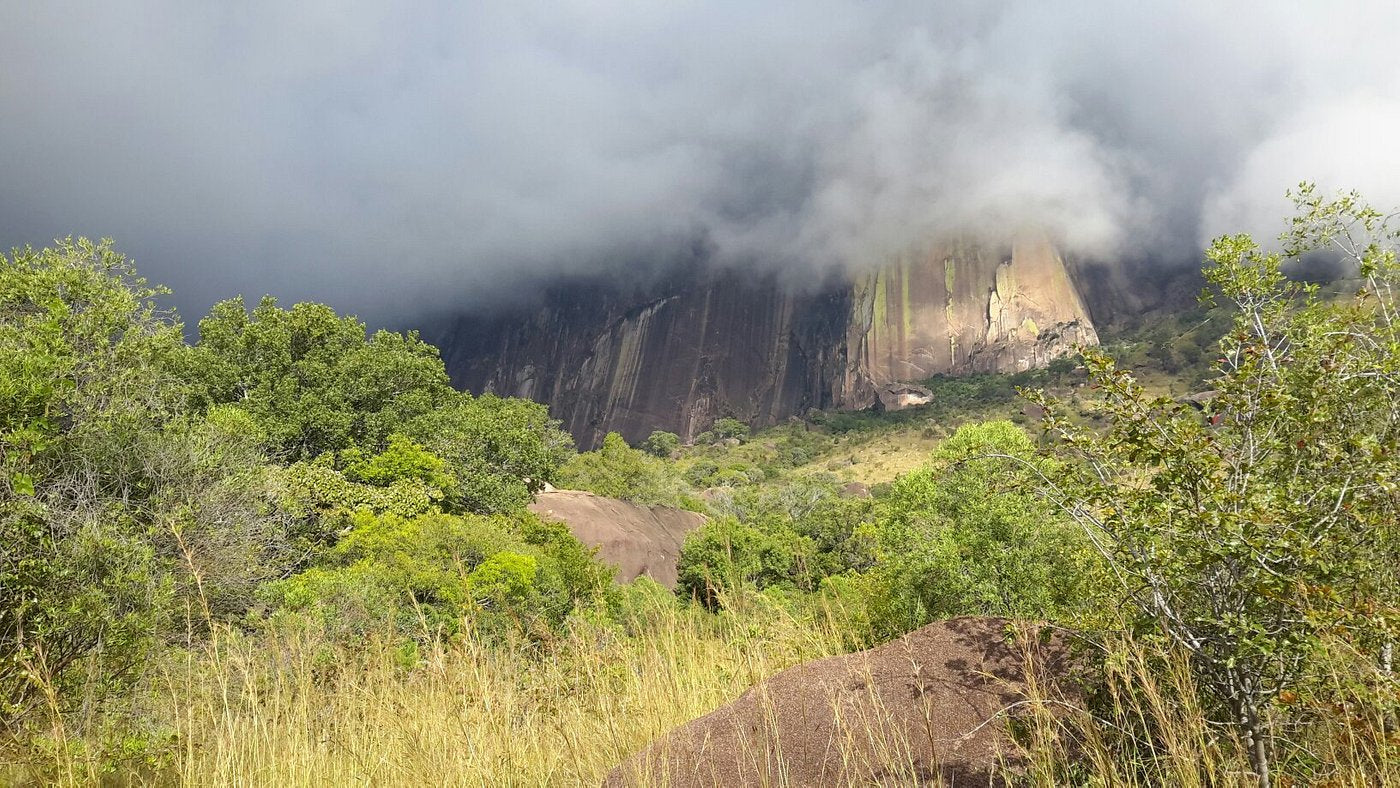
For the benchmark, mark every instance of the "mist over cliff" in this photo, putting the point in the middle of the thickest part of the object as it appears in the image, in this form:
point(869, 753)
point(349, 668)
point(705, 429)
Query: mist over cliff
point(396, 159)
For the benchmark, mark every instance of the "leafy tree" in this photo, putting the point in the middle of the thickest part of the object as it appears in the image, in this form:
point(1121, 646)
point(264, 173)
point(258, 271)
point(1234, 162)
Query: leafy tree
point(661, 444)
point(725, 553)
point(1245, 536)
point(402, 459)
point(620, 471)
point(702, 473)
point(811, 507)
point(312, 379)
point(423, 576)
point(81, 346)
point(500, 451)
point(969, 534)
point(316, 385)
point(403, 480)
point(788, 536)
point(730, 428)
point(115, 505)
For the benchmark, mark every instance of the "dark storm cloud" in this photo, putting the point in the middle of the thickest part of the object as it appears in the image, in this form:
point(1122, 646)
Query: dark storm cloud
point(392, 158)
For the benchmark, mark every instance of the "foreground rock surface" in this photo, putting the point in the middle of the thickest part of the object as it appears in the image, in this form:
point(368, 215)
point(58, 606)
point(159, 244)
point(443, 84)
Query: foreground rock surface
point(635, 538)
point(923, 709)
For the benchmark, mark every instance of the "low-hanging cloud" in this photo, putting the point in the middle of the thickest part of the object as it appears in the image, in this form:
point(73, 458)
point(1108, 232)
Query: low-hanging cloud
point(399, 158)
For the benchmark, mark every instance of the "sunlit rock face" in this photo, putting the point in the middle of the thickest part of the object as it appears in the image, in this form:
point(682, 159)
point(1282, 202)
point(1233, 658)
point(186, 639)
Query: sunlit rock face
point(704, 345)
point(961, 308)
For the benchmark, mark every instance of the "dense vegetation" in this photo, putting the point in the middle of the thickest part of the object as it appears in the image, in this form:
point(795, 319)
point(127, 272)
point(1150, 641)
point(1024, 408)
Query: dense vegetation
point(289, 551)
point(285, 463)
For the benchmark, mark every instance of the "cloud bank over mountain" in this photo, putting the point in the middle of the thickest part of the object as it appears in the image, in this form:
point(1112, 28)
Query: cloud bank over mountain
point(397, 158)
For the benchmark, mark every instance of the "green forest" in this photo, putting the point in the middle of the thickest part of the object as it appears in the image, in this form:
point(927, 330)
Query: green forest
point(275, 548)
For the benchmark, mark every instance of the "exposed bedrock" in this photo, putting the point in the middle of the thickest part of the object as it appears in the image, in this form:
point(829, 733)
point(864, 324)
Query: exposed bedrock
point(635, 539)
point(709, 344)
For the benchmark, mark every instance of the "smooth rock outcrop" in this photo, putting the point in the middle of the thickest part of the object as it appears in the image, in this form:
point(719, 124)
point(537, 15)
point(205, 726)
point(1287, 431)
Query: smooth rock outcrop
point(928, 708)
point(901, 396)
point(636, 539)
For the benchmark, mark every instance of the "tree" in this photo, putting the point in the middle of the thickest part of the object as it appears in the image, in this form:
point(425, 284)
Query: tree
point(116, 505)
point(313, 380)
point(620, 471)
point(970, 535)
point(661, 444)
point(1246, 536)
point(726, 554)
point(501, 451)
point(726, 428)
point(316, 385)
point(422, 575)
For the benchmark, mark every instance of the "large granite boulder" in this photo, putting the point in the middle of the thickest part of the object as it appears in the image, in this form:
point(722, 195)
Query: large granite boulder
point(636, 539)
point(929, 708)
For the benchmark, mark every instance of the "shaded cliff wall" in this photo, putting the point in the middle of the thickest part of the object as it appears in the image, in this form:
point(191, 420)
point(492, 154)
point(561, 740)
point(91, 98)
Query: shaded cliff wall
point(693, 350)
point(709, 344)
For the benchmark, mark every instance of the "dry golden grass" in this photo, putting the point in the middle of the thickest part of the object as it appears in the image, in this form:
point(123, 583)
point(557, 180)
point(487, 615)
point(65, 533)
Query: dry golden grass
point(290, 709)
point(879, 459)
point(1148, 728)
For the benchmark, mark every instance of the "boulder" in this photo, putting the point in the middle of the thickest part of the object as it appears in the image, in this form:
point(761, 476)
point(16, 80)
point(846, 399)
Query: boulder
point(855, 490)
point(636, 539)
point(1201, 400)
point(929, 708)
point(901, 396)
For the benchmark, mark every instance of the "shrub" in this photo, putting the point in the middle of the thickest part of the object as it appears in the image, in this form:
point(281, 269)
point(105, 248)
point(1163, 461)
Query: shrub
point(425, 575)
point(730, 428)
point(661, 444)
point(1250, 536)
point(728, 554)
point(970, 535)
point(115, 504)
point(620, 471)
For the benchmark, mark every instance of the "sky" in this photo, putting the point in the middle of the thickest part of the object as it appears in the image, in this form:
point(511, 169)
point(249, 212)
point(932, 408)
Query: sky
point(400, 159)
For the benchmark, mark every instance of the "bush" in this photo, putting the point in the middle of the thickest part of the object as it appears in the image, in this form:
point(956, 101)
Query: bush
point(423, 576)
point(1250, 537)
point(115, 504)
point(661, 444)
point(725, 554)
point(702, 473)
point(314, 380)
point(970, 535)
point(730, 428)
point(500, 451)
point(620, 471)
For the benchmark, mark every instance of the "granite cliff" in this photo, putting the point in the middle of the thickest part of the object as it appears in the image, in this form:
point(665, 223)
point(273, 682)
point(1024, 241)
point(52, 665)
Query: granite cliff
point(704, 344)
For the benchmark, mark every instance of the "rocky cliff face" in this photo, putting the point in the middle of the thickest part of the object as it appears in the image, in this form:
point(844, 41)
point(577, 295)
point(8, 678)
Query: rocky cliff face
point(957, 309)
point(704, 345)
point(675, 358)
